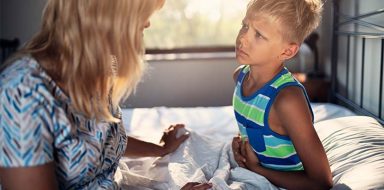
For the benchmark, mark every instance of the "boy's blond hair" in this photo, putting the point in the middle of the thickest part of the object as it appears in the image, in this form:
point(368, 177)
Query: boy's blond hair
point(297, 17)
point(94, 48)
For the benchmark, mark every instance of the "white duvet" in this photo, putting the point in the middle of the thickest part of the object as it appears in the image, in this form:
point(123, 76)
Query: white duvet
point(206, 155)
point(199, 159)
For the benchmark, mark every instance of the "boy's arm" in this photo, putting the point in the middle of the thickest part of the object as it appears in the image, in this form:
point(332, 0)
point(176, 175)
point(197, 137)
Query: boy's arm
point(294, 114)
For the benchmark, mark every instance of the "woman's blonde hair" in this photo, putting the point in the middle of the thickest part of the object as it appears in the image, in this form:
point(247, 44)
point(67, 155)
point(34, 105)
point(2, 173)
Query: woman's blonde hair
point(297, 17)
point(94, 48)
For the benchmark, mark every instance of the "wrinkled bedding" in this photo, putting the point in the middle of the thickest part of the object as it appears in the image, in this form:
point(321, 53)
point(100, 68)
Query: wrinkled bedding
point(354, 146)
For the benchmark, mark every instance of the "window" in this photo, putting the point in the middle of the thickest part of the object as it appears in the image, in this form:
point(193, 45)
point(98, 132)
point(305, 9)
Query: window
point(195, 23)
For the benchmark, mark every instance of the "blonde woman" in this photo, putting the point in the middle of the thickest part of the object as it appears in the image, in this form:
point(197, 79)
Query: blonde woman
point(60, 124)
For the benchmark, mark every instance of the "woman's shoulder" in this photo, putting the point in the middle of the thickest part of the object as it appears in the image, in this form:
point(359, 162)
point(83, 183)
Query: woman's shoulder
point(23, 78)
point(25, 90)
point(30, 115)
point(20, 71)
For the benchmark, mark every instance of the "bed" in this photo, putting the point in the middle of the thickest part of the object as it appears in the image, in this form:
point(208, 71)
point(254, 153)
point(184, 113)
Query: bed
point(355, 153)
point(349, 128)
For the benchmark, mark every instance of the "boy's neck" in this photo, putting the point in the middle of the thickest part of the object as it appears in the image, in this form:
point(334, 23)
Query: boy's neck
point(261, 74)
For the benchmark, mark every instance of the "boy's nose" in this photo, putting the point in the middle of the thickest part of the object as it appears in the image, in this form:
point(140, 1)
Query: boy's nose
point(243, 39)
point(147, 24)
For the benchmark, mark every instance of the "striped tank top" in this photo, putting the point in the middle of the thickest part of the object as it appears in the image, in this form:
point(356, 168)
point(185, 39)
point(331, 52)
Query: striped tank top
point(273, 150)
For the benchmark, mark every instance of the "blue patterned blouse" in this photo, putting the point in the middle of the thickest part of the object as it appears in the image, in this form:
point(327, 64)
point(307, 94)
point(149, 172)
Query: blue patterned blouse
point(38, 125)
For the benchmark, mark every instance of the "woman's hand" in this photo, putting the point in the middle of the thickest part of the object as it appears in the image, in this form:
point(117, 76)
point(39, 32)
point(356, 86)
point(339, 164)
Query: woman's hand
point(196, 186)
point(139, 148)
point(169, 140)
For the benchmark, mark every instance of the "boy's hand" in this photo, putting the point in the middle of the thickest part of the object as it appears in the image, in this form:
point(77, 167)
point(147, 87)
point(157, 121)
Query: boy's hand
point(236, 149)
point(251, 160)
point(170, 141)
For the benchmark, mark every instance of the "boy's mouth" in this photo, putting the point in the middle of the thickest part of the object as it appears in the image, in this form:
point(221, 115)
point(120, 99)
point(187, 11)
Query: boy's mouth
point(240, 52)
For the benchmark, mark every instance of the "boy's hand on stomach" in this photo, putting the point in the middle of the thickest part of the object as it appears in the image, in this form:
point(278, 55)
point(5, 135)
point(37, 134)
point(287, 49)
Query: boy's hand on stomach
point(236, 149)
point(251, 160)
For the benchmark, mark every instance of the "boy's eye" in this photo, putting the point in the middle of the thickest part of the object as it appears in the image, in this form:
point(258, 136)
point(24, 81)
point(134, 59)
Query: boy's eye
point(258, 35)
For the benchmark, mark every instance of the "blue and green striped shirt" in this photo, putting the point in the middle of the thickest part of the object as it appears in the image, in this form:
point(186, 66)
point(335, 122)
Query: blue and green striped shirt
point(273, 150)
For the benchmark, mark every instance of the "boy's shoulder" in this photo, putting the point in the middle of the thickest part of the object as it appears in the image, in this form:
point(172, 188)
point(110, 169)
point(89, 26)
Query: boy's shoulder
point(290, 100)
point(293, 93)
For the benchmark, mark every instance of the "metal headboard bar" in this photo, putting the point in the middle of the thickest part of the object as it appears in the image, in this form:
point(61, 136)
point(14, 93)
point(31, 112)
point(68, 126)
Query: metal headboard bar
point(356, 108)
point(351, 19)
point(336, 96)
point(362, 34)
point(369, 25)
point(362, 74)
point(348, 54)
point(366, 24)
point(381, 79)
point(335, 44)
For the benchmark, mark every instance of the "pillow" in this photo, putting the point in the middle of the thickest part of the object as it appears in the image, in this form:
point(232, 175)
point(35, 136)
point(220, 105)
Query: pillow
point(355, 149)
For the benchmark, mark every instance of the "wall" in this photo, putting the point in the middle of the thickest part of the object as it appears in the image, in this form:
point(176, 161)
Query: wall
point(186, 83)
point(20, 18)
point(325, 41)
point(1, 18)
point(204, 82)
point(178, 82)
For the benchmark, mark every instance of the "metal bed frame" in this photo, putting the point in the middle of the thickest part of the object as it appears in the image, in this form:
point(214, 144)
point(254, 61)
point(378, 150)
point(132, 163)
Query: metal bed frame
point(342, 97)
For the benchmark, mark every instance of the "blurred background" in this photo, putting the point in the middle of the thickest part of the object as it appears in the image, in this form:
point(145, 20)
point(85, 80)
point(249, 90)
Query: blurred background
point(190, 49)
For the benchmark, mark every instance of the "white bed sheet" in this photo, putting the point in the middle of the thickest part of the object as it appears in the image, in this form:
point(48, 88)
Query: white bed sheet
point(206, 155)
point(217, 122)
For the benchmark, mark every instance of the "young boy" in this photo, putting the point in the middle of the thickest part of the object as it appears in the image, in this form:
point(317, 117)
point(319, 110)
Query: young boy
point(272, 109)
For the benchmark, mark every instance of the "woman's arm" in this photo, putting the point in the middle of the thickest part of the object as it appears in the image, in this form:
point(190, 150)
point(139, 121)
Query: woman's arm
point(169, 143)
point(196, 186)
point(139, 148)
point(295, 117)
point(37, 177)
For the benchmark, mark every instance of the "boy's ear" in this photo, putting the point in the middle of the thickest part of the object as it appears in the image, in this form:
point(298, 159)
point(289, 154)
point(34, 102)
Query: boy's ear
point(290, 51)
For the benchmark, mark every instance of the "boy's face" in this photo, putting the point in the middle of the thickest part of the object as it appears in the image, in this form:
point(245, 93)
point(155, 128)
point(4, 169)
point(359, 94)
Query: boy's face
point(259, 41)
